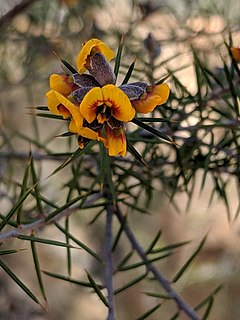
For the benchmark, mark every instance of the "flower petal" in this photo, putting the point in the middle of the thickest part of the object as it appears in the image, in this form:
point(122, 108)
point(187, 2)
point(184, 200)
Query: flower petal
point(72, 126)
point(85, 80)
point(55, 106)
point(100, 69)
point(116, 142)
point(80, 93)
point(90, 102)
point(85, 52)
point(155, 95)
point(118, 101)
point(61, 83)
point(133, 92)
point(83, 131)
point(74, 110)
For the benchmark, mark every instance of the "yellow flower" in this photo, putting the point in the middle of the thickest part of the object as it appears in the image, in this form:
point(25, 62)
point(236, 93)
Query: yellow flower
point(155, 95)
point(236, 54)
point(89, 49)
point(102, 103)
point(98, 110)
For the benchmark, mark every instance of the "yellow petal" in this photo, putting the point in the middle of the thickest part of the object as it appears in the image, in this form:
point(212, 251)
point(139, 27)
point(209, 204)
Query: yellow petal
point(236, 54)
point(118, 101)
point(61, 83)
point(91, 101)
point(116, 142)
point(74, 110)
point(73, 127)
point(84, 131)
point(52, 102)
point(55, 106)
point(85, 52)
point(156, 95)
point(88, 133)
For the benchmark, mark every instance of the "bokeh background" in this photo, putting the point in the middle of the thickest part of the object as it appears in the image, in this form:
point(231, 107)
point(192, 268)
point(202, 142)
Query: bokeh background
point(30, 43)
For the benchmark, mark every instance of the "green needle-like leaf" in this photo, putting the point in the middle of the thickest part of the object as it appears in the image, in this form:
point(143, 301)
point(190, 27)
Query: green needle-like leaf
point(169, 247)
point(206, 300)
point(23, 188)
point(131, 283)
point(50, 116)
point(189, 260)
point(129, 73)
point(15, 208)
point(69, 256)
point(119, 233)
point(152, 130)
point(46, 241)
point(118, 57)
point(69, 279)
point(135, 153)
point(125, 260)
point(148, 119)
point(68, 67)
point(18, 281)
point(64, 207)
point(141, 263)
point(73, 156)
point(153, 243)
point(4, 252)
point(97, 289)
point(36, 188)
point(78, 242)
point(209, 308)
point(158, 295)
point(175, 316)
point(37, 268)
point(149, 312)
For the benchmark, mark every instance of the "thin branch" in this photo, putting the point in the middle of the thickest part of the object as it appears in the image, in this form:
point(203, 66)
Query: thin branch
point(20, 7)
point(182, 305)
point(35, 155)
point(41, 157)
point(109, 261)
point(38, 224)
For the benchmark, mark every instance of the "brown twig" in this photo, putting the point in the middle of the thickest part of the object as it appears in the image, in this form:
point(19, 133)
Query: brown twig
point(109, 261)
point(15, 11)
point(182, 305)
point(39, 223)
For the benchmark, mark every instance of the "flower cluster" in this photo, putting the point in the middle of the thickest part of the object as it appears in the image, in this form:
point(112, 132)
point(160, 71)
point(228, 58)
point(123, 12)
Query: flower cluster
point(96, 107)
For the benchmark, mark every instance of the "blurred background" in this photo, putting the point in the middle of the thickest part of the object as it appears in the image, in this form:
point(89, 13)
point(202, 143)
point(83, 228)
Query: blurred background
point(31, 39)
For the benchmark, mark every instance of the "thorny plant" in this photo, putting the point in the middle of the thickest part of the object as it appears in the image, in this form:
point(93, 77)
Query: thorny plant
point(176, 142)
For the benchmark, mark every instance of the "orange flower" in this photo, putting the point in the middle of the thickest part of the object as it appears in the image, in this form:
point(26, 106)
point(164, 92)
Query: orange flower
point(98, 110)
point(106, 102)
point(155, 95)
